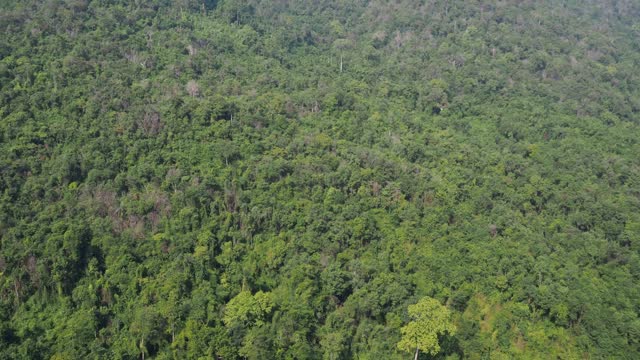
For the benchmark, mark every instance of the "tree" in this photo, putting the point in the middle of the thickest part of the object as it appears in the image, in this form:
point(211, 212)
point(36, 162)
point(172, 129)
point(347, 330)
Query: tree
point(246, 309)
point(146, 327)
point(341, 45)
point(429, 319)
point(192, 88)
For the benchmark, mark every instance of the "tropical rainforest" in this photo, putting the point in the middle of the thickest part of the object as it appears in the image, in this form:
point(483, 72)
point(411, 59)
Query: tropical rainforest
point(343, 179)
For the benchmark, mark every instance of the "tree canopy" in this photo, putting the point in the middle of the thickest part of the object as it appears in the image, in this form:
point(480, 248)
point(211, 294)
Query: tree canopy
point(429, 319)
point(249, 179)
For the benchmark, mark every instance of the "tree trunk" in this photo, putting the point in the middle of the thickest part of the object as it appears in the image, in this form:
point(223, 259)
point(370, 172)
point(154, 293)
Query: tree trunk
point(15, 289)
point(341, 63)
point(414, 358)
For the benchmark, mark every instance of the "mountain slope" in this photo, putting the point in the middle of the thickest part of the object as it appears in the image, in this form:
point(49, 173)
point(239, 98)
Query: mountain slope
point(249, 179)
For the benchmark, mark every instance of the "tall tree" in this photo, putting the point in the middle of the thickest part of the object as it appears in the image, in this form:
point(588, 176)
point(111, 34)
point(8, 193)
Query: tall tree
point(429, 319)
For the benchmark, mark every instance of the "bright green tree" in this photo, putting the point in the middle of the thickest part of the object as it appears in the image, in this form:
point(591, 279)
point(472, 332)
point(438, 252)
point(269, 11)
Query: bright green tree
point(246, 309)
point(429, 319)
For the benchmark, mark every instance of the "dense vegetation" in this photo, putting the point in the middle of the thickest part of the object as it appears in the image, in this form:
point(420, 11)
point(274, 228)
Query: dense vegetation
point(285, 179)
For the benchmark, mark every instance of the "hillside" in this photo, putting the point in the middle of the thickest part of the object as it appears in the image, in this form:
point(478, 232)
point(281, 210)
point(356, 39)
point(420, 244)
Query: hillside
point(247, 179)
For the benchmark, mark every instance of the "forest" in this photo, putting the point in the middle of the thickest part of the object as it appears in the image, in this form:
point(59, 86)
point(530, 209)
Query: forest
point(340, 179)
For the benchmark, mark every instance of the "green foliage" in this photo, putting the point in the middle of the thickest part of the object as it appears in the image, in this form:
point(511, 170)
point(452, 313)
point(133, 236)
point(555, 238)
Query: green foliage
point(282, 180)
point(246, 309)
point(429, 319)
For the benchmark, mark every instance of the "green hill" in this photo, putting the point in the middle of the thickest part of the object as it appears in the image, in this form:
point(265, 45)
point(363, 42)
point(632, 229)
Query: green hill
point(246, 179)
